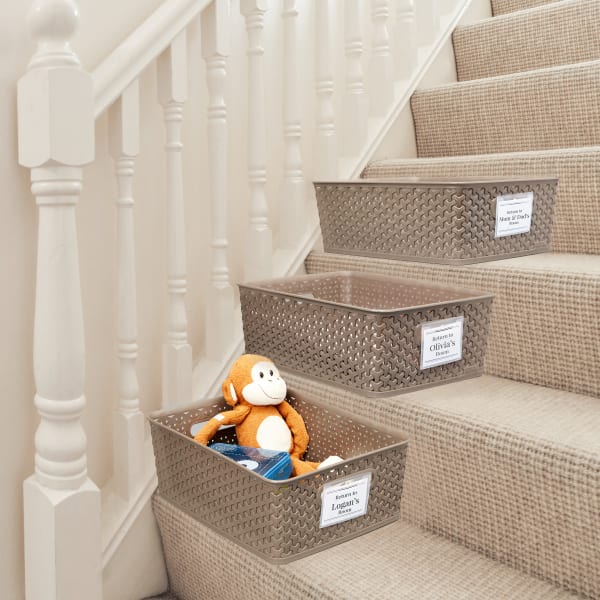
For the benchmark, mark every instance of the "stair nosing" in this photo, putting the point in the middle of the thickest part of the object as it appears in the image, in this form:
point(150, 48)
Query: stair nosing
point(498, 79)
point(551, 6)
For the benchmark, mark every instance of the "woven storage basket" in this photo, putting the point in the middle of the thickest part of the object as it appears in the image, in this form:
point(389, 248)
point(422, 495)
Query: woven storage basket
point(362, 331)
point(434, 221)
point(278, 520)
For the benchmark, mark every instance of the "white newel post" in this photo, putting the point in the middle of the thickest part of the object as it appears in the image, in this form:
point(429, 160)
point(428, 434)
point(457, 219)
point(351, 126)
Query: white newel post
point(260, 237)
point(128, 437)
point(220, 298)
point(356, 102)
point(56, 138)
point(325, 163)
point(381, 76)
point(177, 352)
point(293, 191)
point(405, 44)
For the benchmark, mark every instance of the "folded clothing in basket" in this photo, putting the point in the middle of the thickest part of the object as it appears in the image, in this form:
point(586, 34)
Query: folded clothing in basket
point(271, 464)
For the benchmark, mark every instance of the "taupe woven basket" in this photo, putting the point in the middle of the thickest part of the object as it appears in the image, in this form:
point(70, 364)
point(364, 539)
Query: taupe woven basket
point(278, 520)
point(362, 331)
point(433, 221)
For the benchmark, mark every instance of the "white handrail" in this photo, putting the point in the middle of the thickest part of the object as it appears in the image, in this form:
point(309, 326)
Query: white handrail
point(127, 61)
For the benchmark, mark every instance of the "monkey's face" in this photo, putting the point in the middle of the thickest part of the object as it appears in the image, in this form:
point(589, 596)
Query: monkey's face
point(266, 386)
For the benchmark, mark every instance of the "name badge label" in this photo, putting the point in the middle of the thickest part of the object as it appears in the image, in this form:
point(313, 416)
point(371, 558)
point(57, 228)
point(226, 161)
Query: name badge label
point(513, 214)
point(441, 342)
point(345, 499)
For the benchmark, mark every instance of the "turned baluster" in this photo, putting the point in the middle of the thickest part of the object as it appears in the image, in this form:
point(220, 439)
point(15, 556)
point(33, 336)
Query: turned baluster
point(128, 436)
point(293, 191)
point(325, 163)
point(356, 102)
point(177, 352)
point(405, 39)
point(259, 245)
point(220, 298)
point(381, 84)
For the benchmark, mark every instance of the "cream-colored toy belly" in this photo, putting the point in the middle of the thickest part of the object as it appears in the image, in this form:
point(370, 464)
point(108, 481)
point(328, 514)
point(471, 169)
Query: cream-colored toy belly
point(274, 434)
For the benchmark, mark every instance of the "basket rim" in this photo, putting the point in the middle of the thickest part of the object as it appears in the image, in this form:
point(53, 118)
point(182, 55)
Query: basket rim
point(438, 182)
point(469, 295)
point(401, 439)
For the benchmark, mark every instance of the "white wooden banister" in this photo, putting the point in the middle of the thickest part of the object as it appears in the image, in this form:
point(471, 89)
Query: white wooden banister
point(70, 536)
point(293, 189)
point(177, 352)
point(325, 163)
point(381, 89)
point(128, 434)
point(56, 138)
point(220, 298)
point(405, 47)
point(259, 247)
point(356, 101)
point(127, 61)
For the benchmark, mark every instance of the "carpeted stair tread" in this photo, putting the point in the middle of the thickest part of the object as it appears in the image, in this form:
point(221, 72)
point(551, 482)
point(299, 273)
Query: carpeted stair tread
point(547, 36)
point(577, 210)
point(538, 110)
point(509, 469)
point(399, 561)
point(500, 7)
point(566, 421)
point(545, 322)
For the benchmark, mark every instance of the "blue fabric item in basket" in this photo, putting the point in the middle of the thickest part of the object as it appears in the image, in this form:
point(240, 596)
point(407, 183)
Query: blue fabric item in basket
point(271, 464)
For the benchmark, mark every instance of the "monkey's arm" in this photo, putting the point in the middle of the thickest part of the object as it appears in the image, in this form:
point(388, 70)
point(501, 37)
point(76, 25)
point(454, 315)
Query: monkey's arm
point(228, 417)
point(296, 424)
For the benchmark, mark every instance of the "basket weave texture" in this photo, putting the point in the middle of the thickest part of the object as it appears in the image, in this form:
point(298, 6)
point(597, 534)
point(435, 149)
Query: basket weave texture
point(430, 221)
point(361, 331)
point(278, 520)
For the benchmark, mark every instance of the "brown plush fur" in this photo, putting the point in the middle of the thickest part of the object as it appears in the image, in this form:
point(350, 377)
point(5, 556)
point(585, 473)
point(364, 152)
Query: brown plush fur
point(248, 417)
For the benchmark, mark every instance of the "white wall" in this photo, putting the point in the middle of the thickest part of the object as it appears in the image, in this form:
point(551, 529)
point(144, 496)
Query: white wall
point(17, 248)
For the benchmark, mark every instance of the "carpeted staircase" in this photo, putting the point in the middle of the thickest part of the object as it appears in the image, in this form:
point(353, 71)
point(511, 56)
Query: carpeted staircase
point(502, 486)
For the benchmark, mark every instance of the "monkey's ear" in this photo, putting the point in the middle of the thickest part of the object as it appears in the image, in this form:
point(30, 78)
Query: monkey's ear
point(229, 392)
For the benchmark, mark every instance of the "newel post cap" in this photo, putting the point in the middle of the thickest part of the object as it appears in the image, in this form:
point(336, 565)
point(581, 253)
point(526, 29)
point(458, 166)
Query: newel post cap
point(55, 97)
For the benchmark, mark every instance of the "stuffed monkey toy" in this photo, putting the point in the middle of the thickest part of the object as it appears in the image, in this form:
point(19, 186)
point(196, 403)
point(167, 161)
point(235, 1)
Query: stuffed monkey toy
point(261, 415)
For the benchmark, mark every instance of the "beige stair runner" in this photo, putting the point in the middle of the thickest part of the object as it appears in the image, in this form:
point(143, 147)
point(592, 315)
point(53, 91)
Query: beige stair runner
point(551, 35)
point(396, 562)
point(500, 7)
point(537, 110)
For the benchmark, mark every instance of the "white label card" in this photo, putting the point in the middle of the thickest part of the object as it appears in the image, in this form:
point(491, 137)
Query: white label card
point(513, 214)
point(441, 342)
point(345, 499)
